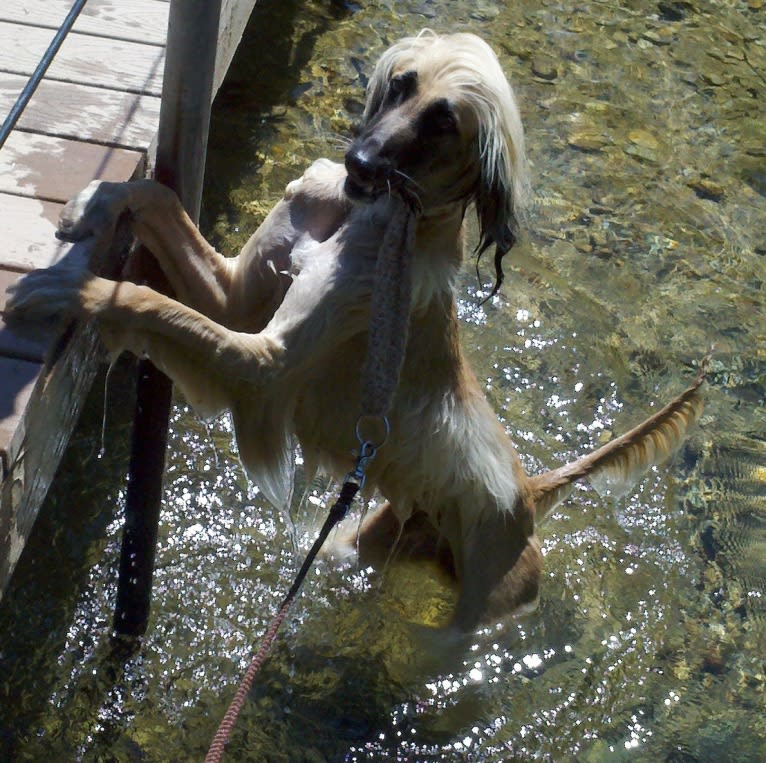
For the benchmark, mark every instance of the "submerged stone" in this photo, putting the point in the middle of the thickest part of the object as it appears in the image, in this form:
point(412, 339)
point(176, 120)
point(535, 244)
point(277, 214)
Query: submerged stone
point(706, 188)
point(661, 36)
point(588, 139)
point(544, 67)
point(642, 145)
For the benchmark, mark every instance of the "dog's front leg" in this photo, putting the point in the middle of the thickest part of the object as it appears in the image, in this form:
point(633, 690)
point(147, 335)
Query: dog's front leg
point(209, 362)
point(198, 274)
point(175, 337)
point(240, 292)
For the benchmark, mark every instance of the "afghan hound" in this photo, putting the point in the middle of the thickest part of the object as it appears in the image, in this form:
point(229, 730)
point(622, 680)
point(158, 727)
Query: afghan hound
point(277, 334)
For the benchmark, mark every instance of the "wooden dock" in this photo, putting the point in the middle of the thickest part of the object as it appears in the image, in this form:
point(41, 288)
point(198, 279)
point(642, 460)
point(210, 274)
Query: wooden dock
point(95, 115)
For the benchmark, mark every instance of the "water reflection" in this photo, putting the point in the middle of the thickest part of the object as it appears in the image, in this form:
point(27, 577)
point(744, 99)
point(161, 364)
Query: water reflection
point(646, 134)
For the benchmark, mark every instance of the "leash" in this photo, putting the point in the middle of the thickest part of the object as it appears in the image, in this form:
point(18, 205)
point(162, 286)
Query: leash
point(389, 321)
point(352, 484)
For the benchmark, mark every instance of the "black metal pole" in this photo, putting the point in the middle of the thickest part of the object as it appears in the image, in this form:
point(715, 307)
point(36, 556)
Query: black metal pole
point(187, 94)
point(29, 89)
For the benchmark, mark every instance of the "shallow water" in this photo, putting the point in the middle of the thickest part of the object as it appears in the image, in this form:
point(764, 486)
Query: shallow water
point(645, 129)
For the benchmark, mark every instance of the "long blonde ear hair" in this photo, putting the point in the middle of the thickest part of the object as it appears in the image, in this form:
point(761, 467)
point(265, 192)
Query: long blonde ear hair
point(470, 68)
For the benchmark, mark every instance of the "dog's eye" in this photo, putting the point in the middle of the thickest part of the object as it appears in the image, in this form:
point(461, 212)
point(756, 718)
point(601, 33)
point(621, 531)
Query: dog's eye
point(396, 87)
point(439, 117)
point(402, 86)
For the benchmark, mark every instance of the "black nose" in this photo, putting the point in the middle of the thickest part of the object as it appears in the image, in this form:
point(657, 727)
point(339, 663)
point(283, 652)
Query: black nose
point(367, 168)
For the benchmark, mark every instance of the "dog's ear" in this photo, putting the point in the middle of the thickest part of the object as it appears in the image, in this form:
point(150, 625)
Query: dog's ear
point(376, 93)
point(377, 86)
point(498, 221)
point(495, 208)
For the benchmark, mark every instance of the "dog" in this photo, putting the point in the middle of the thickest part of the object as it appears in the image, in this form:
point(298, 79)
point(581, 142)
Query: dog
point(278, 333)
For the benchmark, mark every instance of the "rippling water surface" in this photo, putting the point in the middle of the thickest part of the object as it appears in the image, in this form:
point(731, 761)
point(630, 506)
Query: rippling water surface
point(645, 130)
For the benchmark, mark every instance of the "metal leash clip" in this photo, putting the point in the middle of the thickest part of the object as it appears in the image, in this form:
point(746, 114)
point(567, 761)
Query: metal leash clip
point(367, 450)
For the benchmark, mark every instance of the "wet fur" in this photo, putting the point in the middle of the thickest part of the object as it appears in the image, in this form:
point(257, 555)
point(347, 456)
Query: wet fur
point(278, 334)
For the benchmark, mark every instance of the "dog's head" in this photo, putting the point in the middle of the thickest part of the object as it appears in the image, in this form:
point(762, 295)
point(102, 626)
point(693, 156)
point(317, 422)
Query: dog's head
point(441, 125)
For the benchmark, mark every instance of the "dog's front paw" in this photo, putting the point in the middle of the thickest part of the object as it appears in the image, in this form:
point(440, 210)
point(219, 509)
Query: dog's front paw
point(93, 212)
point(322, 179)
point(50, 293)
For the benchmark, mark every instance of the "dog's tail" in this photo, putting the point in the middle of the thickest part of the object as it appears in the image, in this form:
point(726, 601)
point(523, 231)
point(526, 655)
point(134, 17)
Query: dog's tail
point(616, 465)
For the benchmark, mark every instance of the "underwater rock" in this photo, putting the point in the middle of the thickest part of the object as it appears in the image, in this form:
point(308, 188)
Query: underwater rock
point(642, 145)
point(676, 10)
point(706, 188)
point(588, 139)
point(660, 36)
point(544, 67)
point(754, 174)
point(714, 78)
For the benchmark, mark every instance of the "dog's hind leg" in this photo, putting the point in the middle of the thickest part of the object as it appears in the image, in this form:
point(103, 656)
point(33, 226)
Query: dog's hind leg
point(383, 536)
point(499, 570)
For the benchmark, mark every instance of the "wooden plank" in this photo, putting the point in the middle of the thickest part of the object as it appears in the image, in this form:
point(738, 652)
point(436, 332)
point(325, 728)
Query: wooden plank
point(28, 232)
point(40, 407)
point(17, 380)
point(22, 345)
point(56, 169)
point(138, 21)
point(83, 59)
point(89, 113)
point(41, 435)
point(234, 18)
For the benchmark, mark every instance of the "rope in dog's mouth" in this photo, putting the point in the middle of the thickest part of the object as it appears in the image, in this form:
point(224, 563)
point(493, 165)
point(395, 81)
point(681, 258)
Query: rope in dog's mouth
point(389, 321)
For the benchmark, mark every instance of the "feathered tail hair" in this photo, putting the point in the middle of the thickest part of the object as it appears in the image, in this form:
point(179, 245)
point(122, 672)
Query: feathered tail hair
point(618, 464)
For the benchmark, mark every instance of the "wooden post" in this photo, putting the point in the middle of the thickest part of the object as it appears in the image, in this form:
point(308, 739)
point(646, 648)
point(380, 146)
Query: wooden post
point(187, 94)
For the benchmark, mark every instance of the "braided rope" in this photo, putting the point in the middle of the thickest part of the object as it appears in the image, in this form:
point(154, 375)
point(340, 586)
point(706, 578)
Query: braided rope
point(389, 320)
point(226, 726)
point(215, 753)
point(389, 313)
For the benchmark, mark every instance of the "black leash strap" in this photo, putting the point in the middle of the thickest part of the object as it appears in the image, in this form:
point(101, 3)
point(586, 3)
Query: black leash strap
point(336, 514)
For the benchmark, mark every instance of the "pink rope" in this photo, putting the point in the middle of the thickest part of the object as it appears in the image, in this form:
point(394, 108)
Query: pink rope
point(337, 512)
point(215, 753)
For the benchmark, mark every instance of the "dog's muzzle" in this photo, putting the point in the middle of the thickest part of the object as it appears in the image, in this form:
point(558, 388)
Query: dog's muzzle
point(368, 176)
